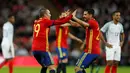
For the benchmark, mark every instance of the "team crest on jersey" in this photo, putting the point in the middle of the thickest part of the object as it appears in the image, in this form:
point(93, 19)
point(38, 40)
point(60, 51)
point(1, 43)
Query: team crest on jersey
point(64, 54)
point(82, 66)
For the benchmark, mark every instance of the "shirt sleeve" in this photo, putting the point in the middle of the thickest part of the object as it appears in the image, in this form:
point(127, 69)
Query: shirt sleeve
point(122, 30)
point(105, 27)
point(5, 32)
point(49, 23)
point(62, 20)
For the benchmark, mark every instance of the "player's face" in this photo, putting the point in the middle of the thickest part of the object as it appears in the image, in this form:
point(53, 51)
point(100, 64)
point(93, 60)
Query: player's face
point(62, 15)
point(117, 16)
point(48, 14)
point(12, 19)
point(86, 16)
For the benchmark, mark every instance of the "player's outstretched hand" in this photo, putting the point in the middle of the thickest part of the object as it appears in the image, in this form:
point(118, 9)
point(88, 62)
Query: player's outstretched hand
point(108, 45)
point(74, 13)
point(65, 13)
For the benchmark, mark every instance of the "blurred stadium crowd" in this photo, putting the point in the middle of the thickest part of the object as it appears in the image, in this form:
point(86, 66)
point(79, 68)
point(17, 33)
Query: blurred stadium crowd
point(26, 12)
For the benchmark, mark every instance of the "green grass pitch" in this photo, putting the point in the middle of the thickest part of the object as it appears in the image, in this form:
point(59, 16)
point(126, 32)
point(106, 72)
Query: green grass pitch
point(70, 69)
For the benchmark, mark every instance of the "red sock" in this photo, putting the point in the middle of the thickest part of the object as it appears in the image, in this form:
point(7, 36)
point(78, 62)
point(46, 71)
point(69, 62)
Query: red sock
point(114, 69)
point(11, 66)
point(2, 64)
point(107, 69)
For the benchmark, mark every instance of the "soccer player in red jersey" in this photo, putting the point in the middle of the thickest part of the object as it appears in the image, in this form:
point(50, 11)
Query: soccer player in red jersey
point(62, 33)
point(40, 44)
point(92, 50)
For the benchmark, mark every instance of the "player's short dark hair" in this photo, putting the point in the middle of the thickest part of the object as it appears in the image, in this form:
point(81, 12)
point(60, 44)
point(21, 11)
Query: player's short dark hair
point(90, 11)
point(115, 12)
point(42, 12)
point(10, 15)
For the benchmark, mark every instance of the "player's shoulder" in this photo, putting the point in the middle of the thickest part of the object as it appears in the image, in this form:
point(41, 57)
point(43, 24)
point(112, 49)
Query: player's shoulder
point(7, 24)
point(39, 20)
point(120, 23)
point(92, 20)
point(44, 20)
point(109, 22)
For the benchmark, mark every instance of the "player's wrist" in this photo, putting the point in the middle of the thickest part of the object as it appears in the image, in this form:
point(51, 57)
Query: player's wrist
point(106, 43)
point(74, 17)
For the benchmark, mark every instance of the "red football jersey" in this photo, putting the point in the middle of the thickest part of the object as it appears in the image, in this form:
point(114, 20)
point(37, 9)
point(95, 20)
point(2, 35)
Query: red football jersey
point(40, 34)
point(61, 37)
point(92, 37)
point(41, 31)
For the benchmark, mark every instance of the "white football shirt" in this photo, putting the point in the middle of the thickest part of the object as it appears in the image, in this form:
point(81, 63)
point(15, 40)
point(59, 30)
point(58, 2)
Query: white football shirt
point(8, 31)
point(113, 32)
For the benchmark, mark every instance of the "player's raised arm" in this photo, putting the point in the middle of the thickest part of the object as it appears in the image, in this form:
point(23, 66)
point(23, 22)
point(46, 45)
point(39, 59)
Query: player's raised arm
point(65, 17)
point(45, 16)
point(83, 23)
point(71, 23)
point(75, 24)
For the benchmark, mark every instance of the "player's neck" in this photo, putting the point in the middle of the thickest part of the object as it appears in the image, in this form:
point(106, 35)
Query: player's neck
point(115, 22)
point(10, 22)
point(90, 18)
point(47, 17)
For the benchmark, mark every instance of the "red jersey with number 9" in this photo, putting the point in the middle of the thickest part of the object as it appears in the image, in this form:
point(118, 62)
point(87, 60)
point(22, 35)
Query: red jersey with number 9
point(92, 37)
point(40, 34)
point(41, 31)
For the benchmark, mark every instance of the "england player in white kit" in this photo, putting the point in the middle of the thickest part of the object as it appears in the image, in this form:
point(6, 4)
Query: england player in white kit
point(114, 32)
point(7, 43)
